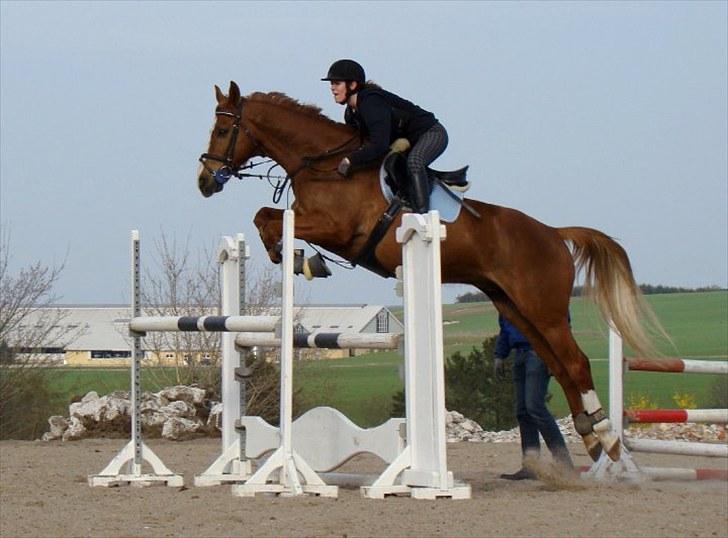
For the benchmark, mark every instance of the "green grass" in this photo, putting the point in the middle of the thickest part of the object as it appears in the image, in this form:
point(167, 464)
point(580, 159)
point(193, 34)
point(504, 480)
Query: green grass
point(362, 387)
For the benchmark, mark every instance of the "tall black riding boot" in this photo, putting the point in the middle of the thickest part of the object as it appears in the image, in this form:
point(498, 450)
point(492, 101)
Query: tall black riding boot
point(420, 193)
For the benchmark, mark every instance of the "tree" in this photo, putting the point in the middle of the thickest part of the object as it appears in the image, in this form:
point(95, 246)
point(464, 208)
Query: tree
point(472, 389)
point(184, 284)
point(28, 325)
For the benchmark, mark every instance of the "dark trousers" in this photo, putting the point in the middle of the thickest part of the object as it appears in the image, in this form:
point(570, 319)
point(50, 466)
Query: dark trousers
point(531, 380)
point(428, 148)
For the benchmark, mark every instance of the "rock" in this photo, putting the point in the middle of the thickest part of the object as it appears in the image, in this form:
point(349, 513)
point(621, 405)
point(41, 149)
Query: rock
point(76, 430)
point(192, 395)
point(178, 428)
point(58, 426)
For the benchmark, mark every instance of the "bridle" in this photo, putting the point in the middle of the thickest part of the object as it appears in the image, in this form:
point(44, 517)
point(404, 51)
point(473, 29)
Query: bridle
point(229, 169)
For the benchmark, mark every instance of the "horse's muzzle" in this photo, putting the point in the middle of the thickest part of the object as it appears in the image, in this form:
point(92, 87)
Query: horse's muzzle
point(207, 185)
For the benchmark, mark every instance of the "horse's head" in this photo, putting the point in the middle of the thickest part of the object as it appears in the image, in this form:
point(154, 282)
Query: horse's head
point(231, 143)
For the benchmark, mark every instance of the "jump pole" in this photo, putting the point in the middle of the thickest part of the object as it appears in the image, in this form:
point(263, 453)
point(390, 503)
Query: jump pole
point(626, 468)
point(126, 466)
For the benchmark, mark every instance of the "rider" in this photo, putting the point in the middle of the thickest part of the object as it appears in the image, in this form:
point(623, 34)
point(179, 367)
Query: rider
point(381, 117)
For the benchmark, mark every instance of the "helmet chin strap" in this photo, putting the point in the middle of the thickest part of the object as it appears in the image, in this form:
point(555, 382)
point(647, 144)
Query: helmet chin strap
point(349, 93)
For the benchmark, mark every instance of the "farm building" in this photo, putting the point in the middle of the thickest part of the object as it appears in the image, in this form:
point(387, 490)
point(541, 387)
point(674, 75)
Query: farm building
point(98, 335)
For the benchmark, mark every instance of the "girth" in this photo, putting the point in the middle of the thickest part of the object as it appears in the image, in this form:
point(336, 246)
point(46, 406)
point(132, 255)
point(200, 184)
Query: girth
point(366, 257)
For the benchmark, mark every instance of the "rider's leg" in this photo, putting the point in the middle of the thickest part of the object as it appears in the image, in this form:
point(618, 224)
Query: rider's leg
point(428, 148)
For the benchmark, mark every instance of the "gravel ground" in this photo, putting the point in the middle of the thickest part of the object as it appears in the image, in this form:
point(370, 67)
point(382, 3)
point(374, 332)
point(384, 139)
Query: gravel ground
point(43, 492)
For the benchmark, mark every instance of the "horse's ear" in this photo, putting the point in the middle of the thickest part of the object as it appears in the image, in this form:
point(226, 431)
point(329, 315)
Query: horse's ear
point(234, 93)
point(219, 95)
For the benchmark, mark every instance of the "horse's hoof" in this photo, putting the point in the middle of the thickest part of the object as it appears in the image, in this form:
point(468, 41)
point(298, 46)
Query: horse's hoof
point(276, 253)
point(614, 451)
point(593, 446)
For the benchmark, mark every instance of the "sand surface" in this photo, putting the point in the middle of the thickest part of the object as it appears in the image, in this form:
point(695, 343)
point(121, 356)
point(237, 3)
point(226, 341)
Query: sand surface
point(44, 493)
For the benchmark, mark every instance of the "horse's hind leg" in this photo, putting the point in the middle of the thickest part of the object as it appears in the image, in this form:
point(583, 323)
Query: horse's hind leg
point(592, 421)
point(557, 347)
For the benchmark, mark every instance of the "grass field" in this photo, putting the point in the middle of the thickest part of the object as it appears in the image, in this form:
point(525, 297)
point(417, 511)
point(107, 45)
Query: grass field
point(362, 387)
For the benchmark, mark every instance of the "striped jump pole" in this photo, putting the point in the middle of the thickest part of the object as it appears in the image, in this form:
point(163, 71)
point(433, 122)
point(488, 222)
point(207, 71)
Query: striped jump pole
point(322, 340)
point(143, 324)
point(676, 474)
point(675, 365)
point(649, 416)
point(626, 468)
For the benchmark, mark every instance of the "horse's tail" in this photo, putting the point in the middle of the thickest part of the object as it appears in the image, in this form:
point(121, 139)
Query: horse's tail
point(609, 281)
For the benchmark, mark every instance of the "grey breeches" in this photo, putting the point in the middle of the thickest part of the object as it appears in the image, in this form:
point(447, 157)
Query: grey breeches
point(428, 148)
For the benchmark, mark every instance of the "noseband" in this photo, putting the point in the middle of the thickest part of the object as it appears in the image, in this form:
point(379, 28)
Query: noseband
point(228, 168)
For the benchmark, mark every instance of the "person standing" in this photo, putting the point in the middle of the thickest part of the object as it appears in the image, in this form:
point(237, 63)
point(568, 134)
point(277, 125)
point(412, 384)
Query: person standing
point(530, 381)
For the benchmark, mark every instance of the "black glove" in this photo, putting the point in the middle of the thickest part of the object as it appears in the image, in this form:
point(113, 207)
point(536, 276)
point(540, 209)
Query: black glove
point(343, 167)
point(499, 368)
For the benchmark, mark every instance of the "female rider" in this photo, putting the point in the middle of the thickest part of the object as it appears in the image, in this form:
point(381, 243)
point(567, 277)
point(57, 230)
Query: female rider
point(381, 117)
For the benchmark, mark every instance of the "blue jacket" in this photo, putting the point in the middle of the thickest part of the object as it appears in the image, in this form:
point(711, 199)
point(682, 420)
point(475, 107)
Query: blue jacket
point(508, 338)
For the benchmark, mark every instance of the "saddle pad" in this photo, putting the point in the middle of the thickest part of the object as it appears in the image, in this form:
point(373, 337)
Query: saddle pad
point(448, 207)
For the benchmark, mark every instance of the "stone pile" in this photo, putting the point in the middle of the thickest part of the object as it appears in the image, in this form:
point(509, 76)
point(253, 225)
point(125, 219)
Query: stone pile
point(178, 412)
point(182, 412)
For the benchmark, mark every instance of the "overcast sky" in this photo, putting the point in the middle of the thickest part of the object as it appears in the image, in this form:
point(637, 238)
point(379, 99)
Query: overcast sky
point(609, 115)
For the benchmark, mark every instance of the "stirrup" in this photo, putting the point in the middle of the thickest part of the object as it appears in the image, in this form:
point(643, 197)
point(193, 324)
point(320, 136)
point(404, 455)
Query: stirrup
point(313, 267)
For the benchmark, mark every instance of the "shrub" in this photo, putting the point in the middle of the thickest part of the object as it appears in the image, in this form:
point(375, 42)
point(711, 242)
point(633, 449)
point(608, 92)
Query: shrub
point(26, 401)
point(472, 389)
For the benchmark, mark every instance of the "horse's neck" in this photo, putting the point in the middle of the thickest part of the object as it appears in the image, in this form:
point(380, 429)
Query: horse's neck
point(289, 135)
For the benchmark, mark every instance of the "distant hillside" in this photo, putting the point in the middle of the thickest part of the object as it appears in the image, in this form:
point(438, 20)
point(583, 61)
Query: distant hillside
point(647, 289)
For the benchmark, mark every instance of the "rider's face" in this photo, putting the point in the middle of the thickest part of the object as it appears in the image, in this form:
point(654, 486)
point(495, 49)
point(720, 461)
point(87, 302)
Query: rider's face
point(338, 89)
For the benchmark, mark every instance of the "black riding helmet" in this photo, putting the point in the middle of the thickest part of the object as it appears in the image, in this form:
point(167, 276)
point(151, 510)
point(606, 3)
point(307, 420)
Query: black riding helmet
point(346, 70)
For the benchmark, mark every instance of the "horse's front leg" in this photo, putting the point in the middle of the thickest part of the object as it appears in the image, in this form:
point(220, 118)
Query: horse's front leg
point(269, 222)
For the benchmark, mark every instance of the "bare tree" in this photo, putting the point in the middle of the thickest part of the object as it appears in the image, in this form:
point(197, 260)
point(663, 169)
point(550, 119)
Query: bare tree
point(184, 284)
point(29, 325)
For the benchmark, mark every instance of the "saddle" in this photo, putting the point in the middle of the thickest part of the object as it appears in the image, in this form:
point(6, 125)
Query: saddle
point(397, 176)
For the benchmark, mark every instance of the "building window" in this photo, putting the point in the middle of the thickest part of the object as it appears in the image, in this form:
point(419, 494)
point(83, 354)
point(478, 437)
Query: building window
point(109, 354)
point(382, 322)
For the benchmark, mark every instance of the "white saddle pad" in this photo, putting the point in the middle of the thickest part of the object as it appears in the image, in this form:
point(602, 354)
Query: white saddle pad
point(448, 207)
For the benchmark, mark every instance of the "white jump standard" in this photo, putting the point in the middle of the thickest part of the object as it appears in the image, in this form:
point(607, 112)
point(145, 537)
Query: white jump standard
point(126, 466)
point(280, 472)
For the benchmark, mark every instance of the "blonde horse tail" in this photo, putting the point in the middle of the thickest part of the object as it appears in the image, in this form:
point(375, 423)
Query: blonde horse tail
point(609, 281)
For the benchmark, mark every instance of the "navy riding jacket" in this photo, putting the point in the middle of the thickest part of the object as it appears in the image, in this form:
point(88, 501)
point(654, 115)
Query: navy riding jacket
point(381, 117)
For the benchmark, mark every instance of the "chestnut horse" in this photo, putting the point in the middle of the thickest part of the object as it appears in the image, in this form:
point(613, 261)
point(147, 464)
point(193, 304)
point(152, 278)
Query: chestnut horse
point(524, 266)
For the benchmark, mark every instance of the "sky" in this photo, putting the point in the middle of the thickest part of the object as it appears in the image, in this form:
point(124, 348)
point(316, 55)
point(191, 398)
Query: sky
point(608, 115)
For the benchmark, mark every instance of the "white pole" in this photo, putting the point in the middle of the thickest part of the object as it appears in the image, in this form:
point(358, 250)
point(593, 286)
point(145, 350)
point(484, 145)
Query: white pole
point(287, 344)
point(229, 258)
point(616, 383)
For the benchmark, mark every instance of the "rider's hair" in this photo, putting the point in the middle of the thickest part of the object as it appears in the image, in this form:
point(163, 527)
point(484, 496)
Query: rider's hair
point(370, 84)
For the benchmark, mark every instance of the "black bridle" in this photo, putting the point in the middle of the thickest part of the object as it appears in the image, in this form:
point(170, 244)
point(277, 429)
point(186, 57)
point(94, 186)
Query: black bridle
point(229, 169)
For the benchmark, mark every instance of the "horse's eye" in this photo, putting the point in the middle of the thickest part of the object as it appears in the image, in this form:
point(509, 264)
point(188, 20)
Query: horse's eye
point(222, 131)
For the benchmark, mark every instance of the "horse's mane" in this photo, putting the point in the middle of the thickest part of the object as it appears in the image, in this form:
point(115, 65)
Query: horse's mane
point(278, 98)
